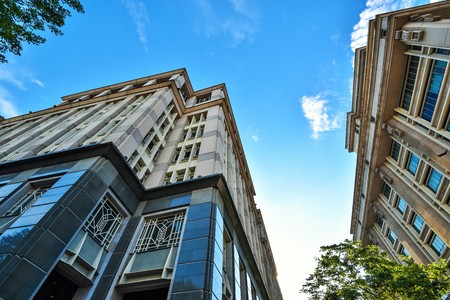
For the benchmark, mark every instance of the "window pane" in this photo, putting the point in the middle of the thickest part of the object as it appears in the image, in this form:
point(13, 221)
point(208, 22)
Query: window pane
point(437, 244)
point(401, 205)
point(434, 180)
point(417, 223)
point(395, 150)
point(410, 81)
point(413, 163)
point(386, 190)
point(391, 236)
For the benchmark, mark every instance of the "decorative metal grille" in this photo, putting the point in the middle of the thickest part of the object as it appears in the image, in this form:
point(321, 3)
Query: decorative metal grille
point(102, 225)
point(160, 233)
point(26, 202)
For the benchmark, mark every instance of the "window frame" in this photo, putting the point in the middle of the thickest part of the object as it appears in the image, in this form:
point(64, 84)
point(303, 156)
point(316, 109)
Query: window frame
point(431, 242)
point(410, 166)
point(431, 180)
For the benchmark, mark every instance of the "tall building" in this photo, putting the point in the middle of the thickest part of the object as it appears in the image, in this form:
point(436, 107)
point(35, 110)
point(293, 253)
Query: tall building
point(399, 127)
point(137, 190)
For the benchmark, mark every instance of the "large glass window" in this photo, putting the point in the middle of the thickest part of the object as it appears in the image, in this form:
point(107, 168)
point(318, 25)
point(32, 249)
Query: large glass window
point(437, 244)
point(413, 64)
point(413, 163)
point(434, 86)
point(434, 180)
point(417, 223)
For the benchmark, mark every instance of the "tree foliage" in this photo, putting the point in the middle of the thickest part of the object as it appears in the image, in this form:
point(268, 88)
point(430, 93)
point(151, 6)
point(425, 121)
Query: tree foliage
point(351, 271)
point(20, 19)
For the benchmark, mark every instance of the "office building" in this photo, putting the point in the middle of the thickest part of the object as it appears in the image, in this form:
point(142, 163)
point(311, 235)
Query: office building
point(137, 190)
point(399, 127)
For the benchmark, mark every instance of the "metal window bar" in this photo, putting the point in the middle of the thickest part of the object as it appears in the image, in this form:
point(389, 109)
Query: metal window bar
point(102, 225)
point(25, 203)
point(159, 233)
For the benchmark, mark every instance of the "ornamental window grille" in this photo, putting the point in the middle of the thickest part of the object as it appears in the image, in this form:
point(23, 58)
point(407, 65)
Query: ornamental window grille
point(26, 202)
point(103, 224)
point(160, 233)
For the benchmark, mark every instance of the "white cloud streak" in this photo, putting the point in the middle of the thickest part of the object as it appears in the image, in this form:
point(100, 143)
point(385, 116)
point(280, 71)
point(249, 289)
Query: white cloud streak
point(18, 77)
point(138, 13)
point(316, 111)
point(7, 108)
point(373, 8)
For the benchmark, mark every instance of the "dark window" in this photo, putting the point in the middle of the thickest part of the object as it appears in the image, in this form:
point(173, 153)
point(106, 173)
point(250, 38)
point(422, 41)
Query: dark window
point(386, 190)
point(56, 286)
point(411, 74)
point(395, 150)
point(158, 294)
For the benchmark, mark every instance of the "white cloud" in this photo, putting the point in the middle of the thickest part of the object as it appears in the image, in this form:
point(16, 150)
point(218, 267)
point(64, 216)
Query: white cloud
point(7, 109)
point(38, 82)
point(255, 137)
point(138, 13)
point(373, 8)
point(238, 21)
point(315, 109)
point(19, 77)
point(7, 75)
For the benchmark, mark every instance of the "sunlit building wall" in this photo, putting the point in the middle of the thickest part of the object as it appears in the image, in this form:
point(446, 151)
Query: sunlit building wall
point(399, 127)
point(137, 190)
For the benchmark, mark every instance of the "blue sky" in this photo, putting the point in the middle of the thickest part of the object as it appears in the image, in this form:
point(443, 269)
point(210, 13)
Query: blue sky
point(288, 70)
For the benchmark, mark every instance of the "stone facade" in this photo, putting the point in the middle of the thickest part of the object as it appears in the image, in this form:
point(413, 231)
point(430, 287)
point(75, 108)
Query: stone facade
point(399, 127)
point(137, 190)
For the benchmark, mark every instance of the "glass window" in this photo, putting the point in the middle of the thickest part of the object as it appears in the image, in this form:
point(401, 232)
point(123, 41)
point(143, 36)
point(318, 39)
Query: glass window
point(392, 236)
point(386, 190)
point(158, 233)
point(380, 221)
point(413, 64)
point(434, 86)
point(437, 244)
point(413, 163)
point(434, 180)
point(417, 223)
point(400, 205)
point(404, 251)
point(395, 150)
point(25, 202)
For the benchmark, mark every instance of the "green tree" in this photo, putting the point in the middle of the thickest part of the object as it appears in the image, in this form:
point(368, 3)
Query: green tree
point(351, 271)
point(20, 19)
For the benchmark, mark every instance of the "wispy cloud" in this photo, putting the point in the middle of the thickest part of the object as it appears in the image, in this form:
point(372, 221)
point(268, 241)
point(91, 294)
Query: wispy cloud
point(316, 111)
point(238, 19)
point(18, 77)
point(138, 13)
point(7, 108)
point(374, 7)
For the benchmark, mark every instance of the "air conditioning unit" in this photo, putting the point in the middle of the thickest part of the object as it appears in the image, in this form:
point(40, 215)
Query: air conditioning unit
point(406, 35)
point(417, 35)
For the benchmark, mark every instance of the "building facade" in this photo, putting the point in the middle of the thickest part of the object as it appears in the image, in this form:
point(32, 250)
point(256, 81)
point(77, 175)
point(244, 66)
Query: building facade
point(399, 127)
point(137, 190)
